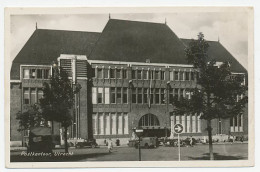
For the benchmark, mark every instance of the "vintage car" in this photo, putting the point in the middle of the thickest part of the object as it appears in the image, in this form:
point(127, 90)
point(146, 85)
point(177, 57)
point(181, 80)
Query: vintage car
point(86, 143)
point(145, 142)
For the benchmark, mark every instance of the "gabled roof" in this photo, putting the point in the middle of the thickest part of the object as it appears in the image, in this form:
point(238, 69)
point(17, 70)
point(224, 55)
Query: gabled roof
point(45, 46)
point(220, 53)
point(134, 41)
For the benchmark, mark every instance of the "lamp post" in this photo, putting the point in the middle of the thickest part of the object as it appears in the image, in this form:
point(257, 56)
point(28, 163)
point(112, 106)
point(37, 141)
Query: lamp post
point(139, 133)
point(167, 102)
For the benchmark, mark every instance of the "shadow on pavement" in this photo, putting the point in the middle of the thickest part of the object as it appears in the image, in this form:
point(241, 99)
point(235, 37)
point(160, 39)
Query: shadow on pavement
point(217, 157)
point(20, 158)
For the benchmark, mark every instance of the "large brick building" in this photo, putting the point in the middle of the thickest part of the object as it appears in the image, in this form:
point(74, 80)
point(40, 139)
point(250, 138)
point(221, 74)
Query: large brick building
point(127, 74)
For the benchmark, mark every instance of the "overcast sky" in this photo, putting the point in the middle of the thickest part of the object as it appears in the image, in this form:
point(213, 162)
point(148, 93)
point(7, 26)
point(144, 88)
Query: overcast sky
point(230, 28)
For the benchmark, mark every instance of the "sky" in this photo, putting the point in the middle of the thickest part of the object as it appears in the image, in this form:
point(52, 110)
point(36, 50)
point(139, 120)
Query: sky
point(231, 29)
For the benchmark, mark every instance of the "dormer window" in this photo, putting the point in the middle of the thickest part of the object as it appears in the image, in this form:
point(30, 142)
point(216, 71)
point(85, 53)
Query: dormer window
point(36, 73)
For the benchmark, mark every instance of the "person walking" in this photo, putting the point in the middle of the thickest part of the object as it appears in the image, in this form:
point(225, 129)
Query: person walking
point(109, 145)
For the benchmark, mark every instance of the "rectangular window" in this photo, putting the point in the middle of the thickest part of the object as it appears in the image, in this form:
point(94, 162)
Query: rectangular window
point(181, 76)
point(46, 74)
point(112, 73)
point(99, 73)
point(176, 92)
point(134, 95)
point(188, 124)
point(162, 95)
point(171, 75)
point(33, 95)
point(120, 124)
point(176, 75)
point(193, 118)
point(171, 95)
point(118, 73)
point(93, 70)
point(105, 73)
point(151, 74)
point(162, 75)
point(187, 76)
point(40, 94)
point(119, 96)
point(39, 73)
point(125, 95)
point(133, 74)
point(100, 124)
point(157, 96)
point(192, 76)
point(100, 95)
point(145, 74)
point(94, 123)
point(107, 96)
point(145, 95)
point(183, 122)
point(124, 73)
point(94, 95)
point(157, 74)
point(26, 73)
point(199, 123)
point(33, 73)
point(140, 93)
point(113, 95)
point(139, 74)
point(107, 124)
point(113, 123)
point(181, 93)
point(126, 123)
point(26, 96)
point(152, 95)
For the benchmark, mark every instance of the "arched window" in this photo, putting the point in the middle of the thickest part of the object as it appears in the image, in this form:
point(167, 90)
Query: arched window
point(148, 120)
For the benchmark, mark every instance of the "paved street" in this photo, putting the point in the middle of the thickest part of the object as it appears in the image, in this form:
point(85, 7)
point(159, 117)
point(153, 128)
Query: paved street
point(198, 152)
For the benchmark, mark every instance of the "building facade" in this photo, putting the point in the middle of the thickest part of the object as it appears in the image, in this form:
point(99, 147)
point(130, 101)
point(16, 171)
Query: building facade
point(128, 74)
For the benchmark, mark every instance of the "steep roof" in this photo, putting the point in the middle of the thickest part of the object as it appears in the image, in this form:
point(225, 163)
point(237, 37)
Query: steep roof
point(134, 41)
point(45, 46)
point(220, 53)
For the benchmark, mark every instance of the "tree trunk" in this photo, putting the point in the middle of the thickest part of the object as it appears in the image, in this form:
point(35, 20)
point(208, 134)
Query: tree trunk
point(211, 155)
point(66, 139)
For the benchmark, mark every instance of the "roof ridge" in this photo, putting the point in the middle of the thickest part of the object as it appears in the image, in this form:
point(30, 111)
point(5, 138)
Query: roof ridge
point(138, 21)
point(69, 30)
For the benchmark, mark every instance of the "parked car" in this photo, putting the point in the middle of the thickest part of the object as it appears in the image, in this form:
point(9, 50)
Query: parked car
point(87, 143)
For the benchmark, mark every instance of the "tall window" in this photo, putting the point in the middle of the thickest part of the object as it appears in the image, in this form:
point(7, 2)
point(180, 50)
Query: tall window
point(171, 95)
point(93, 71)
point(157, 74)
point(118, 73)
point(187, 76)
point(133, 74)
point(181, 76)
point(188, 124)
point(193, 122)
point(192, 76)
point(119, 95)
point(157, 95)
point(139, 74)
point(171, 75)
point(176, 92)
point(181, 92)
point(113, 95)
point(105, 73)
point(183, 122)
point(139, 98)
point(162, 75)
point(176, 75)
point(124, 95)
point(112, 73)
point(26, 73)
point(145, 95)
point(107, 96)
point(46, 73)
point(99, 73)
point(162, 96)
point(100, 95)
point(152, 95)
point(151, 74)
point(94, 126)
point(39, 73)
point(120, 123)
point(33, 73)
point(100, 124)
point(124, 73)
point(26, 96)
point(107, 124)
point(145, 74)
point(33, 96)
point(40, 94)
point(134, 95)
point(113, 123)
point(125, 123)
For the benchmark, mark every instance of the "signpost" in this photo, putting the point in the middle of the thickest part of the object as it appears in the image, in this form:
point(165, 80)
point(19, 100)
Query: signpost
point(139, 133)
point(178, 128)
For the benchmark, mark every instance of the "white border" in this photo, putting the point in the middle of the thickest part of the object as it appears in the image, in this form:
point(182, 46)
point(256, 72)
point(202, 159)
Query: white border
point(152, 4)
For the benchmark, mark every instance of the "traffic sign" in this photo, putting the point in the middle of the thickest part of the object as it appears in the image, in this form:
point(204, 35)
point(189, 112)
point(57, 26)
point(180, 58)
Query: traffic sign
point(178, 128)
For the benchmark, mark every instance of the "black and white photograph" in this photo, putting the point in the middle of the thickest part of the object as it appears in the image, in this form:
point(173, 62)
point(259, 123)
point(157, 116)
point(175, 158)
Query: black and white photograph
point(127, 85)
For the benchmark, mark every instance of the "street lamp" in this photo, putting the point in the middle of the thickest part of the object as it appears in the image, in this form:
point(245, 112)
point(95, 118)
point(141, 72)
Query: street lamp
point(139, 133)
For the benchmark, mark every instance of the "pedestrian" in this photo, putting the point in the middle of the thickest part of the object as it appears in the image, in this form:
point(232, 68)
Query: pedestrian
point(109, 145)
point(191, 141)
point(105, 142)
